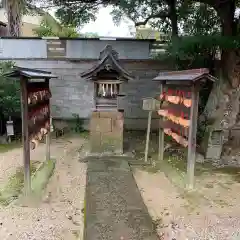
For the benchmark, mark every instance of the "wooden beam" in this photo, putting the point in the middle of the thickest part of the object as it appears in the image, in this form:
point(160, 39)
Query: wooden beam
point(192, 137)
point(160, 135)
point(25, 136)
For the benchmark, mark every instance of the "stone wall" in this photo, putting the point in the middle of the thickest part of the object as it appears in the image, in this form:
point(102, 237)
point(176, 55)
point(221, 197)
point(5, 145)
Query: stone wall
point(74, 95)
point(106, 132)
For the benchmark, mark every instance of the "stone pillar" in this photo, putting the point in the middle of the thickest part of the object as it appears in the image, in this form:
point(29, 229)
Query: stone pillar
point(106, 132)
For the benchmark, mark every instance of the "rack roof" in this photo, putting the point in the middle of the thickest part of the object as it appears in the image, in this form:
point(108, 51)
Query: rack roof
point(192, 75)
point(29, 73)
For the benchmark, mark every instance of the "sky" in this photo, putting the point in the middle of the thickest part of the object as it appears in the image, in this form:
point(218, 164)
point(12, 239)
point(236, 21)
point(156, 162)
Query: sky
point(105, 27)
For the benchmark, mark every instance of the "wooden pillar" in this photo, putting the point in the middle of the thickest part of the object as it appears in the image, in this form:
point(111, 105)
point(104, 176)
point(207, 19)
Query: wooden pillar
point(48, 156)
point(48, 141)
point(160, 135)
point(192, 137)
point(148, 135)
point(25, 136)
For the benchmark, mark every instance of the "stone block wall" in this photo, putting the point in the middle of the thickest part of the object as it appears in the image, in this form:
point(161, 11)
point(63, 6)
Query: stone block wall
point(106, 132)
point(73, 95)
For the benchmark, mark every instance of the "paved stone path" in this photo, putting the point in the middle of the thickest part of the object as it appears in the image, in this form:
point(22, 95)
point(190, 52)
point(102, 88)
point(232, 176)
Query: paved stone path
point(114, 207)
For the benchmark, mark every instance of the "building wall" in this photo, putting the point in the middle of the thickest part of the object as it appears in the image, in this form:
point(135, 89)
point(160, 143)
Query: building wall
point(28, 29)
point(36, 48)
point(74, 95)
point(28, 23)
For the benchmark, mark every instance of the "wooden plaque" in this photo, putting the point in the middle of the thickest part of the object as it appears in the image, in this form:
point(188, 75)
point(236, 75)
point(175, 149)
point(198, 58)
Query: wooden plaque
point(151, 104)
point(56, 48)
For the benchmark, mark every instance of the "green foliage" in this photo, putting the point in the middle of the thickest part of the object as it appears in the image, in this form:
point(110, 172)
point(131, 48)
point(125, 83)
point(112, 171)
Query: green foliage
point(199, 19)
point(78, 128)
point(76, 13)
point(48, 28)
point(9, 92)
point(90, 35)
point(200, 50)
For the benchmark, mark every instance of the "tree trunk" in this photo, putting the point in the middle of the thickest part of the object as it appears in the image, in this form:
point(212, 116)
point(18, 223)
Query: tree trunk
point(173, 18)
point(14, 12)
point(226, 12)
point(223, 106)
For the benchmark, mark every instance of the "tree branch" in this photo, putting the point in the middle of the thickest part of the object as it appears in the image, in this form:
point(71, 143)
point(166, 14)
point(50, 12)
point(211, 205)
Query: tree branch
point(162, 14)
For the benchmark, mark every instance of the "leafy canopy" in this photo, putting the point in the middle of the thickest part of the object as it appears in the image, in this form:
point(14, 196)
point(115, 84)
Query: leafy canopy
point(47, 29)
point(9, 92)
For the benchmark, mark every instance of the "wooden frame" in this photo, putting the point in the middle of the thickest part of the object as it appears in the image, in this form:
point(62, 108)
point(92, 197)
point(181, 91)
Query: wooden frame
point(30, 79)
point(185, 79)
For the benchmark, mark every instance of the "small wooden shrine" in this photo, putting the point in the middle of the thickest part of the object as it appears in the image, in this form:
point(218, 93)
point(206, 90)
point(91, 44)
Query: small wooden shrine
point(179, 97)
point(35, 105)
point(106, 125)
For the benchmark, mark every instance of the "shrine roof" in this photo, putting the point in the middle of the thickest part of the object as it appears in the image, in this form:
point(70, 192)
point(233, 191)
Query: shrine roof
point(108, 61)
point(29, 73)
point(192, 75)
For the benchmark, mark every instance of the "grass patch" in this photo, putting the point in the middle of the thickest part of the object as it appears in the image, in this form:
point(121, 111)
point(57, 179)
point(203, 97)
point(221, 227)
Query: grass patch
point(84, 134)
point(70, 134)
point(15, 184)
point(42, 175)
point(9, 146)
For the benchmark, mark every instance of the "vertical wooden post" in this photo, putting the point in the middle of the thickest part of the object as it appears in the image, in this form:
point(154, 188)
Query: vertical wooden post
point(48, 147)
point(48, 156)
point(148, 135)
point(160, 135)
point(25, 136)
point(192, 137)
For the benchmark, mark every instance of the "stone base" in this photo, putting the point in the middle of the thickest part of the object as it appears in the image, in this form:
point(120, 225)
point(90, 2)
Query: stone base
point(106, 132)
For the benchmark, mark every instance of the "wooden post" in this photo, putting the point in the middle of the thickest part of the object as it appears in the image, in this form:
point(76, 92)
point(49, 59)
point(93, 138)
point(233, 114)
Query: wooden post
point(160, 142)
point(148, 135)
point(160, 136)
point(25, 136)
point(192, 137)
point(48, 140)
point(48, 147)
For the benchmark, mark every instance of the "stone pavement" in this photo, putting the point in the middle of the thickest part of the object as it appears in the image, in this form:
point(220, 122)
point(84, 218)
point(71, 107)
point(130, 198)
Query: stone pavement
point(114, 207)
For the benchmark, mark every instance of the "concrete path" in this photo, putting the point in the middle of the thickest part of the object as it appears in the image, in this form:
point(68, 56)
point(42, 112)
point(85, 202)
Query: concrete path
point(114, 207)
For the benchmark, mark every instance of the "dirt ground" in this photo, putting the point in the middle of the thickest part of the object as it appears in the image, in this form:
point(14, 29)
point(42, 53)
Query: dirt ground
point(210, 212)
point(59, 214)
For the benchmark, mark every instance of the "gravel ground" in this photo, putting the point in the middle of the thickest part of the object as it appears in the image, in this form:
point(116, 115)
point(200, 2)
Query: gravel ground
point(114, 207)
point(172, 213)
point(59, 214)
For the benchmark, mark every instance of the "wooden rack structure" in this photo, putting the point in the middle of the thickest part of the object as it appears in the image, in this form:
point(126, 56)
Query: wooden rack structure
point(35, 108)
point(177, 105)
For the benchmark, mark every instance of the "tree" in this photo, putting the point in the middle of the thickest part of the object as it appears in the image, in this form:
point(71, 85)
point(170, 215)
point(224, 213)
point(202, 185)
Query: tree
point(9, 92)
point(201, 20)
point(47, 29)
point(171, 13)
point(76, 13)
point(90, 35)
point(15, 10)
